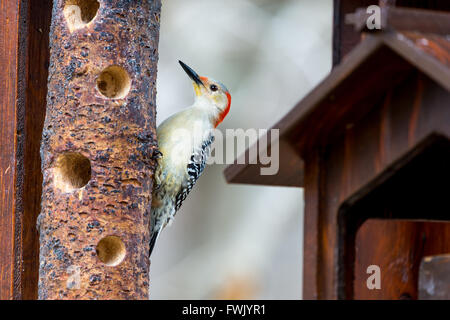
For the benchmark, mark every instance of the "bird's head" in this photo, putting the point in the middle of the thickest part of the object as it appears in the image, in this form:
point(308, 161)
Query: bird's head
point(211, 91)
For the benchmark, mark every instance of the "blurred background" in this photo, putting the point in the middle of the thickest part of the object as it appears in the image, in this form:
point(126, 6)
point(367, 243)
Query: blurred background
point(238, 241)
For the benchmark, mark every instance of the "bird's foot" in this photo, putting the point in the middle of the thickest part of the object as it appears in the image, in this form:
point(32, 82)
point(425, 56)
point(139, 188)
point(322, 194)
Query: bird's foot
point(157, 154)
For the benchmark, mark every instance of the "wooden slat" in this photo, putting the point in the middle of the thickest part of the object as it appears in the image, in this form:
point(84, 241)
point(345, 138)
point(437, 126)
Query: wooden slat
point(400, 19)
point(311, 256)
point(9, 91)
point(39, 18)
point(290, 168)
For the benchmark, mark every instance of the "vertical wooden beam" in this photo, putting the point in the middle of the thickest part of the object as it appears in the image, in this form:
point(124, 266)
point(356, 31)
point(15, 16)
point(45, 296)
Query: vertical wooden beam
point(98, 142)
point(311, 277)
point(345, 38)
point(9, 16)
point(38, 17)
point(24, 51)
point(11, 131)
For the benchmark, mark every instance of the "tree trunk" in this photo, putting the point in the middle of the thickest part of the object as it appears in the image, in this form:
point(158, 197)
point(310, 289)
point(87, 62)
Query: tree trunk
point(97, 147)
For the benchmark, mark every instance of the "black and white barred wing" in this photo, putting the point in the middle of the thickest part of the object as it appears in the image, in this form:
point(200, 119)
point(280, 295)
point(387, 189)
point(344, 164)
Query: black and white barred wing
point(195, 168)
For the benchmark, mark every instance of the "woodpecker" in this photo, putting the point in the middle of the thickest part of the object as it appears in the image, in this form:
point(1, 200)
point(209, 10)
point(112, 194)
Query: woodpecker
point(184, 141)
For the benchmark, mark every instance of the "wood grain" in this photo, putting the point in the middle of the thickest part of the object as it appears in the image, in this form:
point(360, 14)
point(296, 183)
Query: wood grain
point(39, 17)
point(397, 247)
point(9, 91)
point(312, 281)
point(25, 59)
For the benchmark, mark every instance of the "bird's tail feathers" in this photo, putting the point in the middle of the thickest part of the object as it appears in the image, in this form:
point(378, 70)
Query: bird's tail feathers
point(153, 239)
point(152, 242)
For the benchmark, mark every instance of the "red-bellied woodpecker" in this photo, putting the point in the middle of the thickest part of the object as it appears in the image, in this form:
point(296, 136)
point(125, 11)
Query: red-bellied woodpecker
point(184, 140)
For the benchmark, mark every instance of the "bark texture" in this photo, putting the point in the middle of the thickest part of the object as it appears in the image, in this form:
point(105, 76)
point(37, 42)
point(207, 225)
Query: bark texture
point(97, 145)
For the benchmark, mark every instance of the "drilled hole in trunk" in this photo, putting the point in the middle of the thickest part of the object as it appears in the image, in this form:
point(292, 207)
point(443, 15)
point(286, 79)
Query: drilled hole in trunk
point(111, 250)
point(72, 172)
point(79, 13)
point(114, 82)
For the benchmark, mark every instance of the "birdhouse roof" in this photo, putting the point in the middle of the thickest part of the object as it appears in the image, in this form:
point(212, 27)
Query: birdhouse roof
point(378, 63)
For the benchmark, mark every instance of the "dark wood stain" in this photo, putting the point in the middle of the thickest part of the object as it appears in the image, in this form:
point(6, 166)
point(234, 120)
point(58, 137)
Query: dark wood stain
point(24, 60)
point(39, 16)
point(397, 247)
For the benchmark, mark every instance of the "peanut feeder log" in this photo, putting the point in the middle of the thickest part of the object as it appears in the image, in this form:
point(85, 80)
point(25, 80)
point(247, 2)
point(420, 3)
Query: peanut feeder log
point(97, 147)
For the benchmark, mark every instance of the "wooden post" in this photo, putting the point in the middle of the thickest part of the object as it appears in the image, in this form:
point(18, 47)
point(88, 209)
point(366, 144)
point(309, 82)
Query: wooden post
point(10, 107)
point(24, 50)
point(97, 146)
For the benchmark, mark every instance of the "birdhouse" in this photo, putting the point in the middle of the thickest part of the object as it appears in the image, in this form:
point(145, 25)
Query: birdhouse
point(370, 146)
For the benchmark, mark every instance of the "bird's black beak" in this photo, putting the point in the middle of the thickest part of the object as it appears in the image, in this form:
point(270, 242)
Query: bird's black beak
point(191, 73)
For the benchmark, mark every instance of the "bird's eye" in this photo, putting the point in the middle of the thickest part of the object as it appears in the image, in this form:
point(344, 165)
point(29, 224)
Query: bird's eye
point(213, 87)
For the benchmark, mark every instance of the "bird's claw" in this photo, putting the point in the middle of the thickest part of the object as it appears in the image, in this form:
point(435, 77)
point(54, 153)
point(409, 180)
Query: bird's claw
point(157, 154)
